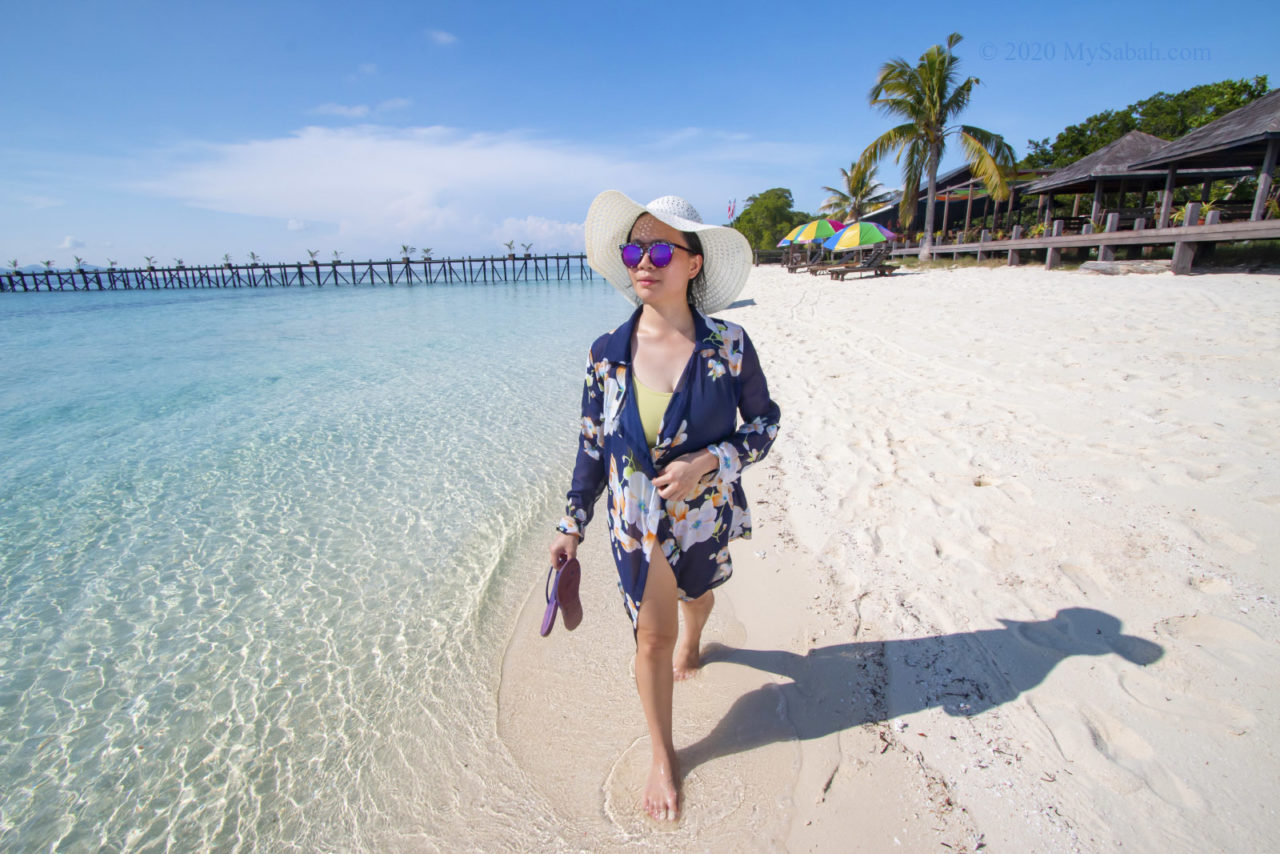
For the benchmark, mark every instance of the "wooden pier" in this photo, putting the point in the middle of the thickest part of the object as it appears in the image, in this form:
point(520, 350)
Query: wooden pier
point(1185, 239)
point(430, 271)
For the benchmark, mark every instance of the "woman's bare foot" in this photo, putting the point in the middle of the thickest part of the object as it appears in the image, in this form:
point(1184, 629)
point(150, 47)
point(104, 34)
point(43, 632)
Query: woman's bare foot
point(661, 796)
point(685, 663)
point(687, 658)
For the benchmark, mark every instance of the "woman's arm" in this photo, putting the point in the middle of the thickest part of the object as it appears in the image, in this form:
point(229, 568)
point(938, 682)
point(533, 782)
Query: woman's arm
point(589, 469)
point(753, 438)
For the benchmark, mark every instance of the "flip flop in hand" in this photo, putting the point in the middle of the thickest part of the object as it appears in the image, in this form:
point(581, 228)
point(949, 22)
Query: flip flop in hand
point(562, 594)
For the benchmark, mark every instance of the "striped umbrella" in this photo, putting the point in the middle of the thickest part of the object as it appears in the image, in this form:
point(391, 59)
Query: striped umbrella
point(815, 231)
point(857, 234)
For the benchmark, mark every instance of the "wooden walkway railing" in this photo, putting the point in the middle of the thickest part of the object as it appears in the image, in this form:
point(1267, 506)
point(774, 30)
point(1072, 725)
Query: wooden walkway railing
point(1185, 239)
point(537, 268)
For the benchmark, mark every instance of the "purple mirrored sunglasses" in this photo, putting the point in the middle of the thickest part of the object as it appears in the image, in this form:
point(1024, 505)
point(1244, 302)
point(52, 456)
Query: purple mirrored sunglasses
point(660, 253)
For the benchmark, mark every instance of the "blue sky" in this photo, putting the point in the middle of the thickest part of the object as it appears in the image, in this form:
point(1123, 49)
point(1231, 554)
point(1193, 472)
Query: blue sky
point(197, 129)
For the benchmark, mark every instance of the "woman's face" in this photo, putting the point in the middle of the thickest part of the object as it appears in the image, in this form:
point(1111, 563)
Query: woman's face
point(661, 285)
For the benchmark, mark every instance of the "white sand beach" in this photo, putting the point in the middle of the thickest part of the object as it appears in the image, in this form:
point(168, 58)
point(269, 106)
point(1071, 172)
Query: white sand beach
point(1013, 585)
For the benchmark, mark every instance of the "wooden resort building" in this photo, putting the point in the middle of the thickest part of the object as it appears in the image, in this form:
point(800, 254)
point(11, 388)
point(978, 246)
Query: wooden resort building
point(1241, 144)
point(961, 204)
point(1247, 138)
point(1108, 171)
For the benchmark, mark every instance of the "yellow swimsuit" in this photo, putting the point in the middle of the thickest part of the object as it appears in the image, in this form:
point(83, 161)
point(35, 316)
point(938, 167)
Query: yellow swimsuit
point(652, 405)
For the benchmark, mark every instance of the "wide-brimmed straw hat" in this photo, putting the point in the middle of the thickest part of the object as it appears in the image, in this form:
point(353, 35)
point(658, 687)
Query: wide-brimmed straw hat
point(726, 254)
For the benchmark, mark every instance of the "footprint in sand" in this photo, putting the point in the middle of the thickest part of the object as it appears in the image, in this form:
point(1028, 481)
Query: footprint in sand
point(1112, 753)
point(1128, 750)
point(1211, 584)
point(1223, 641)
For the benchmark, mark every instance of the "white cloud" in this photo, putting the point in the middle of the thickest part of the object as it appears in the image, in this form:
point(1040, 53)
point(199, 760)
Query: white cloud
point(541, 232)
point(70, 242)
point(296, 225)
point(366, 69)
point(354, 111)
point(441, 37)
point(360, 111)
point(368, 187)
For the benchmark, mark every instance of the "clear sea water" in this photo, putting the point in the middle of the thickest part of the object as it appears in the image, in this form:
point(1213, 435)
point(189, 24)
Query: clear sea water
point(258, 557)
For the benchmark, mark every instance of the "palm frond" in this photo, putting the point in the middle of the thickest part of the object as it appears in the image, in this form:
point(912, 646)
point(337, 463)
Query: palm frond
point(985, 165)
point(913, 170)
point(895, 137)
point(959, 100)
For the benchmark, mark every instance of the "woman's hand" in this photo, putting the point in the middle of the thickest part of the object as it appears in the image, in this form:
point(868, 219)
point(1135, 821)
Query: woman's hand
point(679, 479)
point(563, 547)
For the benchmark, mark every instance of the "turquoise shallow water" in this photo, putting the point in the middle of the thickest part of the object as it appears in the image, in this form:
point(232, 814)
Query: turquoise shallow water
point(250, 547)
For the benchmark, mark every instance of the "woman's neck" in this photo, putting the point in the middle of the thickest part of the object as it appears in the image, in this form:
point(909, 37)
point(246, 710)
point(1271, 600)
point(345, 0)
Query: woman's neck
point(663, 320)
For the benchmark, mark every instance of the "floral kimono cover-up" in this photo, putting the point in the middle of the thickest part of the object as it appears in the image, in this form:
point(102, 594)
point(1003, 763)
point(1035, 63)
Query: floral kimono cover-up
point(723, 378)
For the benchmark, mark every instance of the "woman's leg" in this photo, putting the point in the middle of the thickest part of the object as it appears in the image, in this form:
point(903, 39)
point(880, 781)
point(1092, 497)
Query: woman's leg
point(688, 655)
point(656, 631)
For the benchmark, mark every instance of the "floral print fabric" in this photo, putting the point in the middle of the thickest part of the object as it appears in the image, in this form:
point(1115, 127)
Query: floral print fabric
point(722, 380)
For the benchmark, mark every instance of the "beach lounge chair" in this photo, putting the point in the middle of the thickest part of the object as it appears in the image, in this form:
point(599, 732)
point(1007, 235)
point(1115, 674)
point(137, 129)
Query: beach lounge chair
point(819, 269)
point(797, 261)
point(875, 263)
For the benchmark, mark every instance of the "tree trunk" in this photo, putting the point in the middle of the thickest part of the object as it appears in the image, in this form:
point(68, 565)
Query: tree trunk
point(926, 246)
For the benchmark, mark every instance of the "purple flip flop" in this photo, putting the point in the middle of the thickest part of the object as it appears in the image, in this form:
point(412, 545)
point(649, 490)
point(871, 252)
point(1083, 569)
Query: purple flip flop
point(562, 594)
point(567, 593)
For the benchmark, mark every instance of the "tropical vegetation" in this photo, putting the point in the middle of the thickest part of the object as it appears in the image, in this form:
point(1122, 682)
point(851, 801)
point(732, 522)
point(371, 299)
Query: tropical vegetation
point(768, 216)
point(925, 95)
point(858, 194)
point(1163, 115)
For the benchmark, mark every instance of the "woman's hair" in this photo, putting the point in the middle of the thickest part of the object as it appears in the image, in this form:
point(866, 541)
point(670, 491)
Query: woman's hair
point(699, 282)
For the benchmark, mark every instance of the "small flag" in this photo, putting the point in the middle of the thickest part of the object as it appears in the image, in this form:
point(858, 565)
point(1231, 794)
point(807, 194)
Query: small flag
point(733, 206)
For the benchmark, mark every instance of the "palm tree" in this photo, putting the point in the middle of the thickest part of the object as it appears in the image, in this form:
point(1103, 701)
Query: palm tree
point(861, 193)
point(337, 256)
point(926, 96)
point(13, 262)
point(79, 261)
point(151, 261)
point(405, 251)
point(426, 254)
point(254, 260)
point(48, 265)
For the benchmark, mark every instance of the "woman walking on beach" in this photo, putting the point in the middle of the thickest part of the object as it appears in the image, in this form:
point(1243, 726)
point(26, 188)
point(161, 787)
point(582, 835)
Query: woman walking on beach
point(660, 428)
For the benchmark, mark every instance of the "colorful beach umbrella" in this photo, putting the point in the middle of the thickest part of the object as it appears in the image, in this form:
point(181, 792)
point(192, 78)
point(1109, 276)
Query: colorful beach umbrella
point(857, 234)
point(814, 231)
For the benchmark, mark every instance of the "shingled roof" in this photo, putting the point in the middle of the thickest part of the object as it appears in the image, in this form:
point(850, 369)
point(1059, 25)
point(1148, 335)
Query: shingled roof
point(1109, 162)
point(1237, 139)
point(1113, 164)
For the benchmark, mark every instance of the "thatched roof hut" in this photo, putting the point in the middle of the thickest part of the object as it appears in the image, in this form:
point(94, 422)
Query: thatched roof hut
point(1110, 169)
point(1248, 137)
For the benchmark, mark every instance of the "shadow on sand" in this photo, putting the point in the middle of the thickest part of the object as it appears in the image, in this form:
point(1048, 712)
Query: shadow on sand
point(837, 687)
